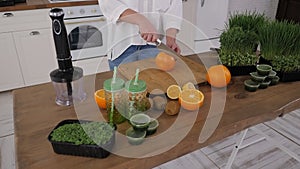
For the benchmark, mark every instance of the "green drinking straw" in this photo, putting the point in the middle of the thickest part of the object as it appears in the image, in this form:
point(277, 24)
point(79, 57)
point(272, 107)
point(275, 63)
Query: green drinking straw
point(112, 98)
point(136, 76)
point(114, 75)
point(111, 110)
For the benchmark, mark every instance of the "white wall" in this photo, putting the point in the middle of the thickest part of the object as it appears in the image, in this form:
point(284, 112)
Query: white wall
point(269, 7)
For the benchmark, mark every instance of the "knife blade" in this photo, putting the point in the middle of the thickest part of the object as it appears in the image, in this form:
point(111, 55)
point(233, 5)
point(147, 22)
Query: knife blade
point(164, 47)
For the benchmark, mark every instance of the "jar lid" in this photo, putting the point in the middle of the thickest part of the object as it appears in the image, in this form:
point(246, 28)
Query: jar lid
point(139, 87)
point(109, 86)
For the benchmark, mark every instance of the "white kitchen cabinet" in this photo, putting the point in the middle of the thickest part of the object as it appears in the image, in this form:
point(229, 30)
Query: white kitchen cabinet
point(36, 53)
point(206, 45)
point(211, 18)
point(27, 47)
point(186, 35)
point(268, 7)
point(204, 21)
point(12, 21)
point(10, 71)
point(93, 66)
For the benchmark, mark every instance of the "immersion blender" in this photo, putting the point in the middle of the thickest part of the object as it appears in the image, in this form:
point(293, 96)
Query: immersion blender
point(67, 80)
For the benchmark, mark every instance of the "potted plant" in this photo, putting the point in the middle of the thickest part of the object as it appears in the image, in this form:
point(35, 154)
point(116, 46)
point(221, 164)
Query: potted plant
point(280, 47)
point(247, 20)
point(239, 42)
point(82, 138)
point(287, 66)
point(236, 51)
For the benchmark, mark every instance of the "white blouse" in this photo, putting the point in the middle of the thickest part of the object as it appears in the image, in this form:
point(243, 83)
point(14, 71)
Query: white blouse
point(163, 14)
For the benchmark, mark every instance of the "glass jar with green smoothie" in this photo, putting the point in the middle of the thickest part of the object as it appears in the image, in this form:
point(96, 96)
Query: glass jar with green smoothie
point(115, 100)
point(137, 96)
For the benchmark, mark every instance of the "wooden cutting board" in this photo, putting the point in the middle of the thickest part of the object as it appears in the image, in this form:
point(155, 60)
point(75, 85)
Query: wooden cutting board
point(185, 70)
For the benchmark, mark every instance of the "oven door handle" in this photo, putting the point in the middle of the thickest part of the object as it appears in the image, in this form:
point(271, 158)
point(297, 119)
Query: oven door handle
point(69, 22)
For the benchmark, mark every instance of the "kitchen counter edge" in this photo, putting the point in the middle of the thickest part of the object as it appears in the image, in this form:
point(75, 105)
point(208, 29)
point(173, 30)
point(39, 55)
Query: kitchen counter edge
point(41, 4)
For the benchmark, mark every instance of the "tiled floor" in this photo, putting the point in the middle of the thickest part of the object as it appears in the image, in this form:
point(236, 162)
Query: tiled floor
point(262, 154)
point(7, 157)
point(283, 131)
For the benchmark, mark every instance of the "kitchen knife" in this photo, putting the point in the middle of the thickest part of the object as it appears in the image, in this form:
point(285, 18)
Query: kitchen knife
point(164, 47)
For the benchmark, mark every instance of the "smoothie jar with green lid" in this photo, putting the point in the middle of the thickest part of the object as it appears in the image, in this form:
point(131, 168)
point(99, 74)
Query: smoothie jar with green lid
point(137, 96)
point(115, 100)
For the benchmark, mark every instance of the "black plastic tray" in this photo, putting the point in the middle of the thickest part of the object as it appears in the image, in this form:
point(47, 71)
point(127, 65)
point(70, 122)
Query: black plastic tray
point(241, 70)
point(289, 76)
point(7, 3)
point(80, 150)
point(284, 76)
point(20, 1)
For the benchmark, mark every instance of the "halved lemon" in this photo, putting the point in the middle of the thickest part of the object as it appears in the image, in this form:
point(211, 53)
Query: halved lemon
point(188, 85)
point(173, 91)
point(191, 99)
point(99, 97)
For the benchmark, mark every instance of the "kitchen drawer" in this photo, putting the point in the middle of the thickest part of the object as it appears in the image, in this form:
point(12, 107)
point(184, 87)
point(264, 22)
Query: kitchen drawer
point(36, 52)
point(24, 20)
point(10, 71)
point(93, 66)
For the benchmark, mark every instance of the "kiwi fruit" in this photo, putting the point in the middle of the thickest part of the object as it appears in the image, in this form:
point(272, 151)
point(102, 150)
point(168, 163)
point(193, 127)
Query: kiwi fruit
point(172, 108)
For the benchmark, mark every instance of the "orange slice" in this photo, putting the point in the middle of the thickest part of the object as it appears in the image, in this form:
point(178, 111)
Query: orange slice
point(173, 91)
point(188, 85)
point(99, 96)
point(191, 99)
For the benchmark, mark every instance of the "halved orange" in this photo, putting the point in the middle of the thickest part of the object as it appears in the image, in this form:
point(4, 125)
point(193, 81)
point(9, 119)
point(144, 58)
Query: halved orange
point(99, 96)
point(173, 91)
point(188, 85)
point(191, 99)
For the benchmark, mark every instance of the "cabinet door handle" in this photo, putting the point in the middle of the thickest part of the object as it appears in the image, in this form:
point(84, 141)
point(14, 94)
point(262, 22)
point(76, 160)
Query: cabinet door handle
point(8, 14)
point(69, 22)
point(33, 33)
point(202, 3)
point(184, 0)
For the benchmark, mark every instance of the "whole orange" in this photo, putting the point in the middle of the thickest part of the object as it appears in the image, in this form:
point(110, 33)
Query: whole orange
point(99, 97)
point(218, 76)
point(164, 61)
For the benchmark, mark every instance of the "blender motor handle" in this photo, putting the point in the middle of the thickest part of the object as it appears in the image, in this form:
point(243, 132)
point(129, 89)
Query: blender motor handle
point(61, 40)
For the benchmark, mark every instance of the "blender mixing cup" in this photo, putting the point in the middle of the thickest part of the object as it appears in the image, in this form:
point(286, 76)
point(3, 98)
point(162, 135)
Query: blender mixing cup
point(67, 80)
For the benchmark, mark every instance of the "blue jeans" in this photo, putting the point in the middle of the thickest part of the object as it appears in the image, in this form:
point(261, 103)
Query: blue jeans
point(134, 53)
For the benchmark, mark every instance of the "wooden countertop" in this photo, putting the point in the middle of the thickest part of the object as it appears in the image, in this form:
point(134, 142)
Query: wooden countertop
point(36, 114)
point(40, 4)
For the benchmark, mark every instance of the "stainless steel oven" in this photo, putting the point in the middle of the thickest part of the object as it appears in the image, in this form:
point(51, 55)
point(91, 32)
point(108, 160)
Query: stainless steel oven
point(85, 27)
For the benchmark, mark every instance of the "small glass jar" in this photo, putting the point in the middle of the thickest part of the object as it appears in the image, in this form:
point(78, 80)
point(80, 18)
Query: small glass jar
point(115, 100)
point(137, 96)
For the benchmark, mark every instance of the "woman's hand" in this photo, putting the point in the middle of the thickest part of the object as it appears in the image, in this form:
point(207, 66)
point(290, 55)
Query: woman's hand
point(147, 31)
point(171, 40)
point(171, 43)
